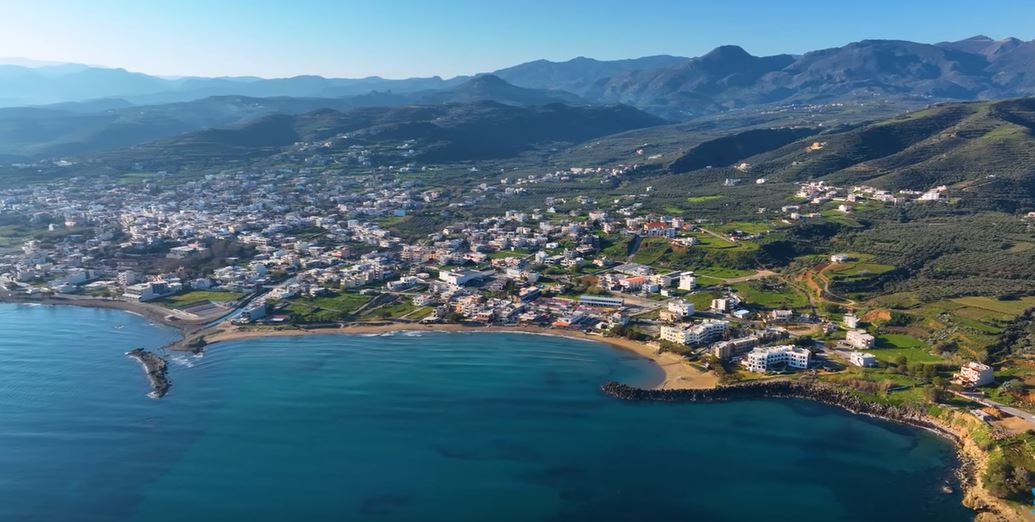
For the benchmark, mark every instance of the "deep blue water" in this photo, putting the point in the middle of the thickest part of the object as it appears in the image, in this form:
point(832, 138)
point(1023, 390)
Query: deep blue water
point(429, 426)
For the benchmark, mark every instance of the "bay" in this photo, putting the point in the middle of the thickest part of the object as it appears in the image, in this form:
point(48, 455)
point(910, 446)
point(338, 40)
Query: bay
point(418, 426)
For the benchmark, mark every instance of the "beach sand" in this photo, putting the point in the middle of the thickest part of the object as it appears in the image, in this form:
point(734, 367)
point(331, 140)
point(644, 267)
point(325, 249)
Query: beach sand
point(678, 373)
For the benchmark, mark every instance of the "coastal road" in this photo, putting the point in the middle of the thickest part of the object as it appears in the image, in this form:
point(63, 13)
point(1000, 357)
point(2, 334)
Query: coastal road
point(1016, 412)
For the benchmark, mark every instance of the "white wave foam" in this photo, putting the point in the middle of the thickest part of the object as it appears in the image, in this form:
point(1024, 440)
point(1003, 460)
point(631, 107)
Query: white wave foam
point(182, 361)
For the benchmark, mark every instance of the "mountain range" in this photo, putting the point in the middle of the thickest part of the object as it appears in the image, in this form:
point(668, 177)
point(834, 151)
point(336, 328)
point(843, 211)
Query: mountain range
point(118, 113)
point(444, 133)
point(74, 128)
point(670, 86)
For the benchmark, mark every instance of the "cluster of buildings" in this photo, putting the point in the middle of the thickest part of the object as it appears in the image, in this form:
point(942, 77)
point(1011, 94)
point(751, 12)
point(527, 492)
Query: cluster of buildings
point(819, 193)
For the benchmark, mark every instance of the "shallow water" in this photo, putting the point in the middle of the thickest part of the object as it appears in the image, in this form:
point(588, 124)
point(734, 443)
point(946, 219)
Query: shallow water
point(418, 426)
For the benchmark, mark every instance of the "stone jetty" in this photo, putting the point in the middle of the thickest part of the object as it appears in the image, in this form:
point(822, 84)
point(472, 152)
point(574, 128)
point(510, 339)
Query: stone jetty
point(156, 369)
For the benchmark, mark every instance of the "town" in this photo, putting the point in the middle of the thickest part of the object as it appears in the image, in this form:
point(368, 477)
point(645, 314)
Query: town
point(289, 247)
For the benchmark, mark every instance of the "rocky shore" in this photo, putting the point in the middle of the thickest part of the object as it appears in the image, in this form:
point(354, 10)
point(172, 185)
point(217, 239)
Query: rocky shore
point(972, 458)
point(156, 369)
point(781, 389)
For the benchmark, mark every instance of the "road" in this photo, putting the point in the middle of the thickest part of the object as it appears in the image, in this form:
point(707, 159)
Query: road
point(1016, 412)
point(761, 274)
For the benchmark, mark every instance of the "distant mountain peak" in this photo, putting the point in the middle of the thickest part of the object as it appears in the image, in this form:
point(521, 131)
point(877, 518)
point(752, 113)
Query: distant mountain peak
point(727, 52)
point(488, 80)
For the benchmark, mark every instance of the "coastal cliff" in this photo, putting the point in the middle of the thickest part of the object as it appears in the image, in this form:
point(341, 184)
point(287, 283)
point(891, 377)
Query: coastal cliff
point(156, 369)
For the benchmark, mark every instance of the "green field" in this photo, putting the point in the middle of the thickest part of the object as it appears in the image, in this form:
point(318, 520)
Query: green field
point(891, 346)
point(721, 272)
point(651, 249)
point(703, 199)
point(770, 293)
point(196, 296)
point(1011, 308)
point(702, 300)
point(326, 309)
point(503, 254)
point(743, 226)
point(399, 309)
point(859, 269)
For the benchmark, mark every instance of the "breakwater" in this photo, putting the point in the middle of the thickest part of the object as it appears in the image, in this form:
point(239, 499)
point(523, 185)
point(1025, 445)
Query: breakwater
point(156, 369)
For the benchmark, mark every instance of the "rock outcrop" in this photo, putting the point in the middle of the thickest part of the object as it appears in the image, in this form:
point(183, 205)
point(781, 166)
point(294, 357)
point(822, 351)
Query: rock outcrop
point(156, 369)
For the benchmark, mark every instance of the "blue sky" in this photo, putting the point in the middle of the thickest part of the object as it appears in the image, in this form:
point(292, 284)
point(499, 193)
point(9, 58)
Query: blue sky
point(400, 38)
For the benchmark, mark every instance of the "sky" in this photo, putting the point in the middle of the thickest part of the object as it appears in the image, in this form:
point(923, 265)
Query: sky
point(404, 38)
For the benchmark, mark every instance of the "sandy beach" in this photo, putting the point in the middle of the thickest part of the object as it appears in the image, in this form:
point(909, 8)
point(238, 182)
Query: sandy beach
point(678, 373)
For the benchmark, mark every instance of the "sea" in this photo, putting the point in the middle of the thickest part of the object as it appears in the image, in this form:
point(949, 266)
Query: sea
point(421, 426)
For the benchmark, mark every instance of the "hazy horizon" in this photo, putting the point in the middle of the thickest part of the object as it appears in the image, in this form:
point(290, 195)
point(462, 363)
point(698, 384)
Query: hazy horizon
point(405, 39)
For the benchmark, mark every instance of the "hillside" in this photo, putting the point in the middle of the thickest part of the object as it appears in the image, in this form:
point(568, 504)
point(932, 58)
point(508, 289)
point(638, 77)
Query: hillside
point(88, 127)
point(984, 148)
point(726, 151)
point(440, 133)
point(77, 128)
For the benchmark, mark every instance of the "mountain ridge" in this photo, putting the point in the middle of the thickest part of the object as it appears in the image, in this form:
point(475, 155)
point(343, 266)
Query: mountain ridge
point(674, 87)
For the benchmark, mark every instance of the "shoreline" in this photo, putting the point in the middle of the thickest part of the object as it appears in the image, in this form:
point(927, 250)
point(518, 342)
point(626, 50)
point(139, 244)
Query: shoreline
point(678, 375)
point(677, 372)
point(151, 312)
point(972, 459)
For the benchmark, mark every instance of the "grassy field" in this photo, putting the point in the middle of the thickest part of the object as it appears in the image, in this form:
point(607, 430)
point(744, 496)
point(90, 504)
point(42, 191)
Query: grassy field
point(651, 249)
point(502, 254)
point(743, 226)
point(721, 272)
point(702, 300)
point(891, 346)
point(615, 246)
point(196, 296)
point(771, 293)
point(326, 309)
point(859, 269)
point(399, 309)
point(703, 199)
point(972, 323)
point(1011, 308)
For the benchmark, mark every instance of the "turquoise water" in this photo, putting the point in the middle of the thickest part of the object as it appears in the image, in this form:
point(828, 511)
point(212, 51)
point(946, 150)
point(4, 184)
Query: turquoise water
point(429, 426)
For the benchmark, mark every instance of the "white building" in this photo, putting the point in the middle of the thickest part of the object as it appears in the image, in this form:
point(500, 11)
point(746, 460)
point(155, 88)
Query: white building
point(127, 278)
point(687, 281)
point(862, 359)
point(150, 291)
point(459, 278)
point(859, 339)
point(701, 333)
point(974, 374)
point(851, 321)
point(680, 308)
point(763, 359)
point(722, 304)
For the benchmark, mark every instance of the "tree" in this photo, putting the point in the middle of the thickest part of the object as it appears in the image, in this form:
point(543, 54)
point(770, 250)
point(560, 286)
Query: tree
point(1011, 387)
point(934, 394)
point(805, 341)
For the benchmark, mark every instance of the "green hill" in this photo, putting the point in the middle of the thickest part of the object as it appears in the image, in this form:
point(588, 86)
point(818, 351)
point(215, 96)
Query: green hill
point(440, 133)
point(984, 148)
